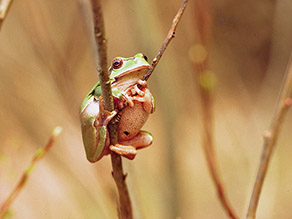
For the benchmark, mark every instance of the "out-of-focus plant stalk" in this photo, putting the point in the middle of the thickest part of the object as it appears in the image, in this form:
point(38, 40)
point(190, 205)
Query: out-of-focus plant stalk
point(270, 139)
point(125, 208)
point(4, 8)
point(21, 183)
point(206, 80)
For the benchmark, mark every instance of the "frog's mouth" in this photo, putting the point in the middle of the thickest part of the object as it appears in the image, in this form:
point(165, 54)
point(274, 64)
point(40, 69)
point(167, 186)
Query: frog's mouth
point(130, 78)
point(141, 70)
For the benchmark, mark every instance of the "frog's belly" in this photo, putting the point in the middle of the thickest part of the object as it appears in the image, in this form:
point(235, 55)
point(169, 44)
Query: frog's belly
point(132, 120)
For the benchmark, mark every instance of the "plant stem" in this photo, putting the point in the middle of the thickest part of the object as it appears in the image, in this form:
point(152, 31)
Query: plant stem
point(4, 8)
point(206, 80)
point(206, 97)
point(21, 183)
point(101, 42)
point(208, 144)
point(169, 37)
point(270, 139)
point(125, 208)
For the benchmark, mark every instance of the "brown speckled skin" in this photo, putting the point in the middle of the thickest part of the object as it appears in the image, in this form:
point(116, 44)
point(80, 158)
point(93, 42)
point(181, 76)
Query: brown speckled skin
point(132, 120)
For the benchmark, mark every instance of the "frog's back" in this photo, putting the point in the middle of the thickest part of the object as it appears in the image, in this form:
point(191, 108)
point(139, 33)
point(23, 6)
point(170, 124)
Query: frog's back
point(95, 91)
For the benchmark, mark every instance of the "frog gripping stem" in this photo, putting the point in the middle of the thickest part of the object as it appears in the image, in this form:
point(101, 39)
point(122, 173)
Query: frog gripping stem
point(125, 206)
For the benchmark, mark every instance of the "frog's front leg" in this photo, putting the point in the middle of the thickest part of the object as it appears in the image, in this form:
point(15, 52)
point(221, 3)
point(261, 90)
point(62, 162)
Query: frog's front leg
point(147, 100)
point(129, 148)
point(132, 92)
point(138, 89)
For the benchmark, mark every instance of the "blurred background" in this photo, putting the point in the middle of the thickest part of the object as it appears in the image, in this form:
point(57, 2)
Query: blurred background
point(48, 64)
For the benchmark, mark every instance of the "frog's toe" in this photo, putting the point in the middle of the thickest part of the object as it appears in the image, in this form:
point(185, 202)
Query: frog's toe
point(126, 151)
point(143, 83)
point(128, 100)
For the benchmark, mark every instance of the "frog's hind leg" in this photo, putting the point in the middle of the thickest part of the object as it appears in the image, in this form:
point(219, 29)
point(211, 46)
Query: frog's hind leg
point(141, 140)
point(129, 148)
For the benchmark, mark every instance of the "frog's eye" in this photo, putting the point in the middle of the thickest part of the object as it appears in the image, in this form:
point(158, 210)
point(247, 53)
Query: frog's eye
point(145, 57)
point(117, 63)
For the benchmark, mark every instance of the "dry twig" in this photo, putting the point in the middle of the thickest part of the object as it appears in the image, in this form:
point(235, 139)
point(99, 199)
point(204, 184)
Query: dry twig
point(270, 139)
point(125, 208)
point(38, 155)
point(169, 37)
point(4, 8)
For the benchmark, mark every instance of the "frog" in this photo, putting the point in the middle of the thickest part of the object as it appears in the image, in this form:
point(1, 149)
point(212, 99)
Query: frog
point(133, 103)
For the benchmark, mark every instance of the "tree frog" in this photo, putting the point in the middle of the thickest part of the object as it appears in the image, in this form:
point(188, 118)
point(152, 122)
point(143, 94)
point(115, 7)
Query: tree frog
point(133, 103)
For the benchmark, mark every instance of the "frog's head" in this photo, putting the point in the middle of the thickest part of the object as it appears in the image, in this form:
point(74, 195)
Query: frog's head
point(133, 67)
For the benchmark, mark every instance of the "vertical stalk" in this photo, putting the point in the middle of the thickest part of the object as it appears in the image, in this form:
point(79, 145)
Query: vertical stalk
point(270, 140)
point(125, 207)
point(206, 80)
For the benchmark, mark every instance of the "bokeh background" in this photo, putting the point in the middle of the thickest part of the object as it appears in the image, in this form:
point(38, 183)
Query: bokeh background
point(48, 64)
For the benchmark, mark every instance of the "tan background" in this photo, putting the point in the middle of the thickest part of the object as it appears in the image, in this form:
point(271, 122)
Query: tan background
point(47, 65)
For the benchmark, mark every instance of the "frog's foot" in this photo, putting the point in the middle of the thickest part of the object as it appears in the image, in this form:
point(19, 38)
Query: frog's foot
point(139, 88)
point(129, 148)
point(126, 151)
point(147, 100)
point(108, 116)
point(142, 83)
point(137, 91)
point(127, 99)
point(105, 116)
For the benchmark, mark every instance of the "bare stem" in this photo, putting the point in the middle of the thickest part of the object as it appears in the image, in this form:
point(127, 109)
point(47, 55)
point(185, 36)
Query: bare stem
point(169, 37)
point(21, 183)
point(4, 8)
point(101, 42)
point(125, 208)
point(270, 139)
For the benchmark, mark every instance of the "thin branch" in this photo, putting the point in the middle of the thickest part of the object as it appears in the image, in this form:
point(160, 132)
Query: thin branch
point(101, 42)
point(169, 37)
point(206, 80)
point(125, 208)
point(21, 183)
point(4, 8)
point(270, 139)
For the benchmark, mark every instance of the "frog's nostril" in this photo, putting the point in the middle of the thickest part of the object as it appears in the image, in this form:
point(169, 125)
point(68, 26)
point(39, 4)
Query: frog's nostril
point(126, 133)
